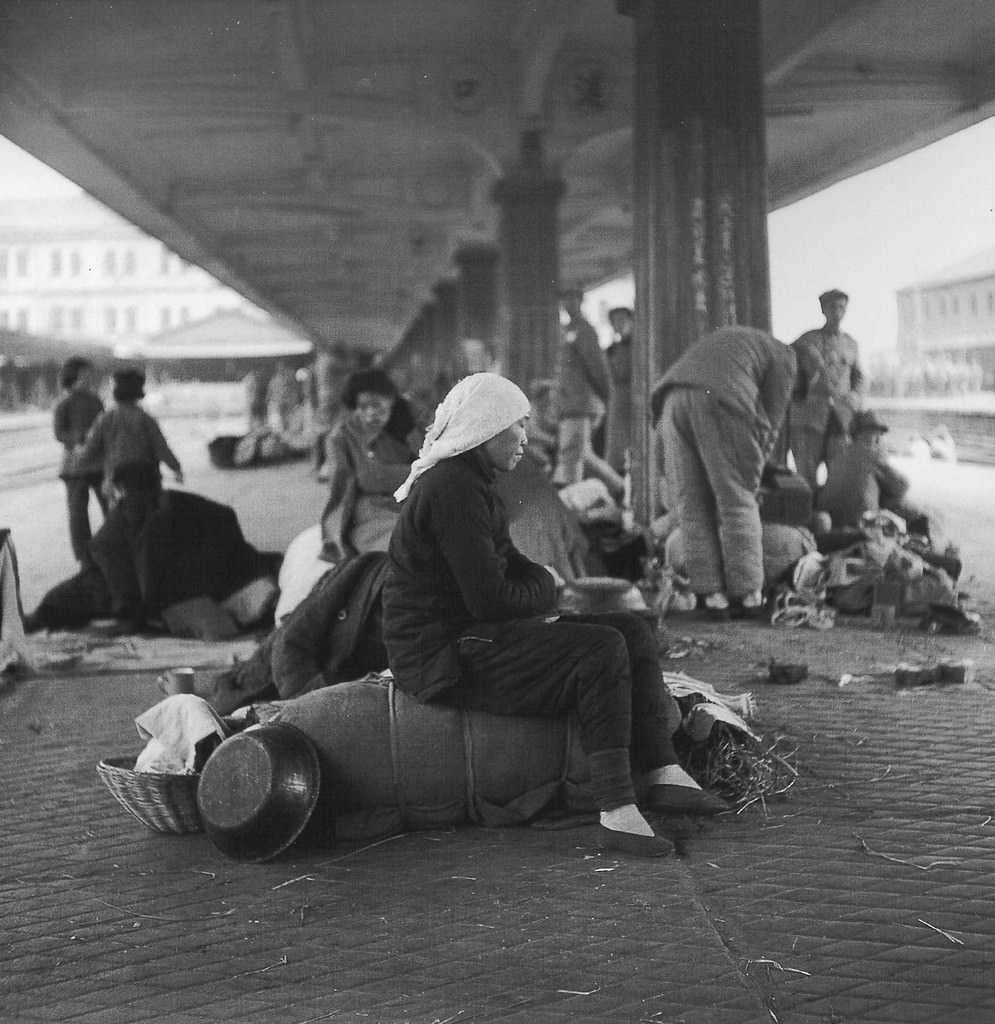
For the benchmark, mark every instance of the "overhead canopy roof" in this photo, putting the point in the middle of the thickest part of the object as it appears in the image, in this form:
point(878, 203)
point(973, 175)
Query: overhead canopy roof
point(327, 158)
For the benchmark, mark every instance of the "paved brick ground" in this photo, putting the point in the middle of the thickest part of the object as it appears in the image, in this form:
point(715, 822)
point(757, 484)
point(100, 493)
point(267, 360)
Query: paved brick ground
point(864, 895)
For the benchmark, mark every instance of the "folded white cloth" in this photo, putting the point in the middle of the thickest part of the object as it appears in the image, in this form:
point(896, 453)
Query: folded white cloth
point(173, 728)
point(301, 568)
point(476, 409)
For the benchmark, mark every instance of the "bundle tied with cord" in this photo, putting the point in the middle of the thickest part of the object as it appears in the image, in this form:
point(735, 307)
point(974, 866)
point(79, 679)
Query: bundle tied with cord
point(390, 763)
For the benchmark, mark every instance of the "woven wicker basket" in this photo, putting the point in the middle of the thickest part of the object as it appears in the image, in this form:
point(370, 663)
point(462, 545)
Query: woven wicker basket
point(164, 803)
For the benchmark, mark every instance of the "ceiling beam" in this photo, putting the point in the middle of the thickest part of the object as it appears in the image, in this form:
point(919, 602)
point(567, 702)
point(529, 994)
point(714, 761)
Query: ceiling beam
point(878, 84)
point(803, 30)
point(29, 121)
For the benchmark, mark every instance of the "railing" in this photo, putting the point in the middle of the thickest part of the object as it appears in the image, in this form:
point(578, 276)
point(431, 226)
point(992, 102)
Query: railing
point(969, 418)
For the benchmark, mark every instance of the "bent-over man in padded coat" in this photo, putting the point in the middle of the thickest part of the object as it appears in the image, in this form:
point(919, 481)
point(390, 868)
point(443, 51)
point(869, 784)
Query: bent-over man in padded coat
point(718, 411)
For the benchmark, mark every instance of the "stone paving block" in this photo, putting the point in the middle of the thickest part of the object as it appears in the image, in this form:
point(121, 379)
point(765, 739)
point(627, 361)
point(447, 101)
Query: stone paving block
point(796, 888)
point(970, 1015)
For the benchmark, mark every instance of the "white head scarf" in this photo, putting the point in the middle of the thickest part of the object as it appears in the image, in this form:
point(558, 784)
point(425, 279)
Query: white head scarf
point(475, 410)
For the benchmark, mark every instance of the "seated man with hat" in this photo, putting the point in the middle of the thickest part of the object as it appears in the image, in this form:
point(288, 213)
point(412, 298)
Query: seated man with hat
point(863, 479)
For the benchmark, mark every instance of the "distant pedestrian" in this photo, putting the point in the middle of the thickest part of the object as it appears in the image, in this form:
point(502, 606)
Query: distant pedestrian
point(331, 366)
point(74, 414)
point(828, 390)
point(281, 397)
point(583, 391)
point(254, 389)
point(618, 427)
point(127, 434)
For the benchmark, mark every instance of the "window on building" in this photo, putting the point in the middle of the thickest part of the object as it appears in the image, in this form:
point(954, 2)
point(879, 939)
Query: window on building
point(165, 317)
point(110, 262)
point(22, 319)
point(76, 320)
point(943, 307)
point(75, 264)
point(164, 261)
point(991, 302)
point(56, 263)
point(927, 309)
point(56, 318)
point(110, 319)
point(21, 260)
point(955, 305)
point(974, 304)
point(130, 262)
point(4, 318)
point(184, 314)
point(131, 319)
point(3, 263)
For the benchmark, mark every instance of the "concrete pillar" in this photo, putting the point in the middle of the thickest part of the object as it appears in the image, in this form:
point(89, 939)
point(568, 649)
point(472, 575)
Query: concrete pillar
point(529, 196)
point(700, 210)
point(476, 293)
point(409, 358)
point(445, 344)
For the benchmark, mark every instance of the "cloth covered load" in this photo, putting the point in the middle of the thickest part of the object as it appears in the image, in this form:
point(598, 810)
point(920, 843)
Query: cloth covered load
point(390, 763)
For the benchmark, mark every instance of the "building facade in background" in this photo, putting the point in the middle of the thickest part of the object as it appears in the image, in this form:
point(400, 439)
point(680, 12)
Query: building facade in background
point(946, 327)
point(70, 268)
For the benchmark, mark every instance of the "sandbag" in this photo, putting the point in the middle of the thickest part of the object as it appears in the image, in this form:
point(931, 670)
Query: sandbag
point(390, 763)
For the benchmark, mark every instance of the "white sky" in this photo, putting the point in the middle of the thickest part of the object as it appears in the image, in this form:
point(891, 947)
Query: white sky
point(869, 235)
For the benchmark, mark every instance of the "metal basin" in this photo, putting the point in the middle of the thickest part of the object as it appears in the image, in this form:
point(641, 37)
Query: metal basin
point(598, 594)
point(258, 790)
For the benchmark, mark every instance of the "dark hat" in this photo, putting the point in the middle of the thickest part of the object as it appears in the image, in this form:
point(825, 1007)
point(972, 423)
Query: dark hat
point(867, 423)
point(137, 476)
point(832, 295)
point(129, 383)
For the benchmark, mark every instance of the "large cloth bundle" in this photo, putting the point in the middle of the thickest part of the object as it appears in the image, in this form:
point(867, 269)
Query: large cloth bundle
point(783, 546)
point(389, 763)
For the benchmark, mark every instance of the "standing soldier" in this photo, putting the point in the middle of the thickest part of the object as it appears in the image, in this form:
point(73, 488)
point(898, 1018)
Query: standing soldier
point(828, 390)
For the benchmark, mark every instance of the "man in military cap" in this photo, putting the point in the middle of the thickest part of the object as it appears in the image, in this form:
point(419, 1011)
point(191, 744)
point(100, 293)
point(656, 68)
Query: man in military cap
point(828, 390)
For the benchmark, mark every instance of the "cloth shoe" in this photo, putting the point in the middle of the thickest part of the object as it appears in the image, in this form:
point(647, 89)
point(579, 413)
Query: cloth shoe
point(611, 839)
point(716, 607)
point(665, 799)
point(751, 606)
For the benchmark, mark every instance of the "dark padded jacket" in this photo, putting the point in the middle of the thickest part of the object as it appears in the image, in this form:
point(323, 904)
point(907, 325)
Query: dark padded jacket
point(331, 637)
point(452, 564)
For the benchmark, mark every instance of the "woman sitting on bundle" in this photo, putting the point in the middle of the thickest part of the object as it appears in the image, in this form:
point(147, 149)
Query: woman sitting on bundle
point(370, 451)
point(469, 621)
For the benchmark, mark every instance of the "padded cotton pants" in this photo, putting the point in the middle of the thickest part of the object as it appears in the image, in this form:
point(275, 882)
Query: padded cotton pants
point(605, 669)
point(713, 462)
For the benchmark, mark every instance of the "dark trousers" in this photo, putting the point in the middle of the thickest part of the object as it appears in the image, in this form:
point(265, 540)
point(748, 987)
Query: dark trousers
point(78, 503)
point(605, 669)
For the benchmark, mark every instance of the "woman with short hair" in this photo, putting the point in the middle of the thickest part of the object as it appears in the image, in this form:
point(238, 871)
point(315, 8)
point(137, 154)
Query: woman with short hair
point(370, 451)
